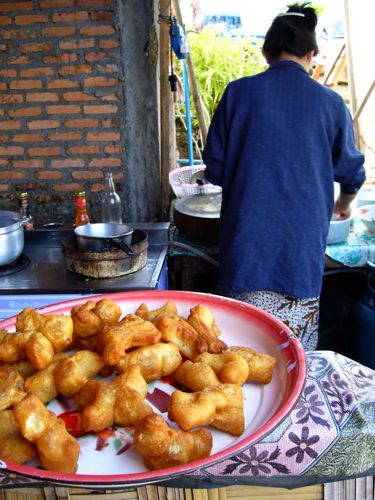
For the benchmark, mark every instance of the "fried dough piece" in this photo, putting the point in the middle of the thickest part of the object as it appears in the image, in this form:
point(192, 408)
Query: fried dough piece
point(168, 309)
point(42, 383)
point(28, 320)
point(230, 367)
point(39, 350)
point(57, 449)
point(155, 361)
point(24, 368)
point(130, 332)
point(260, 365)
point(119, 402)
point(18, 346)
point(178, 331)
point(75, 371)
point(90, 343)
point(13, 446)
point(89, 318)
point(162, 447)
point(196, 376)
point(202, 320)
point(11, 386)
point(220, 406)
point(108, 311)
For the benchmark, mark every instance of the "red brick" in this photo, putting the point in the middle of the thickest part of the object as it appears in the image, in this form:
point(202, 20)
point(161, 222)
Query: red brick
point(69, 163)
point(101, 16)
point(10, 125)
point(78, 96)
point(25, 84)
point(83, 150)
point(105, 162)
point(28, 138)
point(3, 86)
point(65, 136)
point(63, 110)
point(42, 97)
point(59, 31)
point(108, 44)
point(10, 174)
point(1, 112)
point(106, 108)
point(95, 3)
point(18, 34)
point(107, 68)
point(32, 163)
point(62, 58)
point(43, 124)
point(35, 47)
point(30, 72)
point(46, 174)
point(11, 98)
point(111, 123)
point(3, 47)
point(4, 137)
point(103, 136)
point(113, 149)
point(4, 20)
point(47, 151)
point(87, 174)
point(81, 123)
point(8, 73)
point(62, 84)
point(34, 111)
point(77, 44)
point(71, 187)
point(110, 97)
point(75, 70)
point(4, 188)
point(11, 150)
point(102, 30)
point(56, 4)
point(96, 56)
point(70, 17)
point(19, 60)
point(100, 81)
point(9, 6)
point(30, 19)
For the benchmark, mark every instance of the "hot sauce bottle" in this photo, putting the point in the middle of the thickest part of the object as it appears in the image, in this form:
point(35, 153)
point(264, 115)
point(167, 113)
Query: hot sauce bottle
point(81, 216)
point(24, 210)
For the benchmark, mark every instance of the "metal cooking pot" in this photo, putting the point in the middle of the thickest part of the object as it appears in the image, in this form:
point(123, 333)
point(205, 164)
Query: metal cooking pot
point(104, 236)
point(11, 236)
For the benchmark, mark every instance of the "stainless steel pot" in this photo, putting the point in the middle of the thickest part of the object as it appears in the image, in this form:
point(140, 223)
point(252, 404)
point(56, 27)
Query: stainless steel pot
point(104, 236)
point(11, 236)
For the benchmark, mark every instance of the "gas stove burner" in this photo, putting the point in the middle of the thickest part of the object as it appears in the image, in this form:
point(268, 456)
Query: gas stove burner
point(14, 267)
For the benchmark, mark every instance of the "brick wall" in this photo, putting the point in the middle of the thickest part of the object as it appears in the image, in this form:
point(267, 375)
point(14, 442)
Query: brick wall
point(61, 99)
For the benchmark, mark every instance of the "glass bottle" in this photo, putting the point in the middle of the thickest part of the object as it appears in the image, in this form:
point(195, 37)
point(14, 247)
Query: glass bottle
point(24, 210)
point(81, 216)
point(111, 202)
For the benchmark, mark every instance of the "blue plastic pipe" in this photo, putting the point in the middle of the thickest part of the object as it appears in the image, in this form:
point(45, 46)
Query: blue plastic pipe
point(187, 113)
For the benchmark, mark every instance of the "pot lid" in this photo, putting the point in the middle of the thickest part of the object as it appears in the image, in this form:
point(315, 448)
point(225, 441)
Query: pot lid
point(201, 205)
point(103, 230)
point(9, 221)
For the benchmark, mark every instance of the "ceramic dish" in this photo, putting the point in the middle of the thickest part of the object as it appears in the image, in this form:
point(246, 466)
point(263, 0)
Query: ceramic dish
point(108, 460)
point(366, 214)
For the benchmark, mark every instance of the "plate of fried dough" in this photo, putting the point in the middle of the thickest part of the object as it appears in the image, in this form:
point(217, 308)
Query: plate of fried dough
point(131, 388)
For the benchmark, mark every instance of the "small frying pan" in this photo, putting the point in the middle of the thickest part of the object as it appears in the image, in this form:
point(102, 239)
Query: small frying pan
point(104, 236)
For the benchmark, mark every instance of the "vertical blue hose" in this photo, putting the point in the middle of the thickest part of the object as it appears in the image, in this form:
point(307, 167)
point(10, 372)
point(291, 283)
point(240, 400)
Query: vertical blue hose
point(187, 113)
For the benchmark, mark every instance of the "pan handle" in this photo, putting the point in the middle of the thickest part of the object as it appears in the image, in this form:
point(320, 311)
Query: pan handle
point(122, 245)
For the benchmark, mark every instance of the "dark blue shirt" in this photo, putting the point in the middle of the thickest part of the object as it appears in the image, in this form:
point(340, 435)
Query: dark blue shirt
point(276, 143)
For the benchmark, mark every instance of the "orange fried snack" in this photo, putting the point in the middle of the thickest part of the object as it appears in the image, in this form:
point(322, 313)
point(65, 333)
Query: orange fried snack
point(168, 309)
point(24, 368)
point(230, 367)
point(162, 447)
point(202, 320)
point(89, 318)
point(119, 402)
point(178, 331)
point(196, 376)
point(75, 371)
point(260, 365)
point(130, 332)
point(220, 406)
point(155, 361)
point(42, 383)
point(18, 346)
point(13, 446)
point(57, 449)
point(11, 386)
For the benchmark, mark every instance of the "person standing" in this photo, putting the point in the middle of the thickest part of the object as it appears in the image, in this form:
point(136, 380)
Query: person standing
point(277, 142)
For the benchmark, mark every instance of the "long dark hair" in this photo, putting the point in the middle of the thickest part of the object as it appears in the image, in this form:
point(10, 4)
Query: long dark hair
point(292, 32)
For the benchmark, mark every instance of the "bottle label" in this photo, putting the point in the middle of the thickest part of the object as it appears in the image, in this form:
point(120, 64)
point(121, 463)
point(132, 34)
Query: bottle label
point(80, 201)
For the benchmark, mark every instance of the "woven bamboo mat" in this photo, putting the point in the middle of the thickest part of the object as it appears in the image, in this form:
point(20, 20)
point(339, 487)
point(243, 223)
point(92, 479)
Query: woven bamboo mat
point(159, 493)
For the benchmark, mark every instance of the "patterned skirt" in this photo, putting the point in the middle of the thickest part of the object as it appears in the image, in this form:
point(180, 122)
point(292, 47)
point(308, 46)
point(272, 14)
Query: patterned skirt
point(300, 315)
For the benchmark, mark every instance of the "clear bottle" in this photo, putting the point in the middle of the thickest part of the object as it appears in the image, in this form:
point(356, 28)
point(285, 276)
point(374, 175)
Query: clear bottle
point(111, 202)
point(24, 210)
point(81, 216)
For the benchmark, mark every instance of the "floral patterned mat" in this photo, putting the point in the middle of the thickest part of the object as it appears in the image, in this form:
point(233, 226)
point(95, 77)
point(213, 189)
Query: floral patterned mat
point(328, 436)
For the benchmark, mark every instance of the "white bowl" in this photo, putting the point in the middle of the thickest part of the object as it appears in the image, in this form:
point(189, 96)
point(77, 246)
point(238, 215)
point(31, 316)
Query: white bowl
point(338, 230)
point(366, 195)
point(366, 214)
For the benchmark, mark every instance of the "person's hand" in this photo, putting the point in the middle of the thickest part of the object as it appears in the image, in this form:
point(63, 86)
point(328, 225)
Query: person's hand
point(342, 208)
